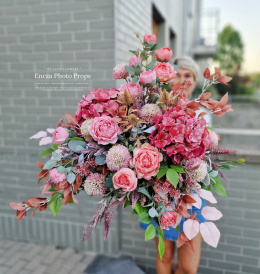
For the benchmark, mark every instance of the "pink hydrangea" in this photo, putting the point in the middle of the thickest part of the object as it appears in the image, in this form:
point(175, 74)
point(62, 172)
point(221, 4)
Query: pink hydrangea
point(119, 72)
point(149, 111)
point(118, 157)
point(168, 218)
point(94, 184)
point(56, 176)
point(180, 135)
point(98, 102)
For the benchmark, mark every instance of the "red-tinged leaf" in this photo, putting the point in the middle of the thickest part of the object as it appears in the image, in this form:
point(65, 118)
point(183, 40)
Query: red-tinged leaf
point(40, 165)
point(205, 96)
point(33, 212)
point(188, 199)
point(46, 187)
point(17, 206)
point(74, 199)
point(111, 111)
point(77, 183)
point(217, 73)
point(59, 123)
point(206, 73)
point(180, 241)
point(27, 203)
point(206, 105)
point(202, 114)
point(182, 210)
point(61, 185)
point(42, 174)
point(223, 100)
point(43, 207)
point(224, 80)
point(68, 125)
point(210, 233)
point(67, 198)
point(191, 228)
point(193, 105)
point(67, 191)
point(20, 215)
point(71, 119)
point(36, 201)
point(191, 112)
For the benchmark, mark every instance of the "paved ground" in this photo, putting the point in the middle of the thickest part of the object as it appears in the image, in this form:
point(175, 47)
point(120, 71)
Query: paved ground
point(28, 258)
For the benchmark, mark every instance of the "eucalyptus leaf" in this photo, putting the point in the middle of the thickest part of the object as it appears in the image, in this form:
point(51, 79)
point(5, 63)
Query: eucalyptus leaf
point(135, 79)
point(130, 70)
point(56, 156)
point(81, 159)
point(50, 164)
point(61, 169)
point(153, 212)
point(74, 143)
point(100, 159)
point(109, 182)
point(71, 177)
point(151, 65)
point(145, 192)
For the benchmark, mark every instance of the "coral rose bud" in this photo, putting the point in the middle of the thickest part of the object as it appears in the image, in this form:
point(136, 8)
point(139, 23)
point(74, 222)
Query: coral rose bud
point(163, 54)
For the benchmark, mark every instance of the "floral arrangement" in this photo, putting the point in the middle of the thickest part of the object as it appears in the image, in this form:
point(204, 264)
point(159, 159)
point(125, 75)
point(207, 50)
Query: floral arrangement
point(143, 145)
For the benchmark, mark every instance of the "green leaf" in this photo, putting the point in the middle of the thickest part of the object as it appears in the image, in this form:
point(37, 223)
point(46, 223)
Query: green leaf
point(145, 192)
point(46, 152)
point(56, 206)
point(54, 196)
point(150, 232)
point(144, 218)
point(50, 164)
point(216, 180)
point(172, 176)
point(135, 79)
point(130, 70)
point(219, 189)
point(161, 246)
point(139, 209)
point(137, 70)
point(162, 171)
point(155, 46)
point(179, 169)
point(240, 160)
point(134, 212)
point(109, 182)
point(100, 159)
point(55, 146)
point(177, 227)
point(151, 64)
point(133, 51)
point(61, 169)
point(127, 203)
point(143, 56)
point(74, 143)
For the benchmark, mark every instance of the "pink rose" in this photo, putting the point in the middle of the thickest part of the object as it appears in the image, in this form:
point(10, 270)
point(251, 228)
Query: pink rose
point(134, 60)
point(125, 178)
point(168, 219)
point(146, 161)
point(56, 176)
point(104, 130)
point(148, 38)
point(147, 77)
point(60, 134)
point(164, 71)
point(164, 54)
point(119, 72)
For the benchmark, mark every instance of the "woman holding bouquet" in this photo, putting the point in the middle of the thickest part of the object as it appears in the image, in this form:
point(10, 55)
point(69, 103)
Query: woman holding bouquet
point(187, 259)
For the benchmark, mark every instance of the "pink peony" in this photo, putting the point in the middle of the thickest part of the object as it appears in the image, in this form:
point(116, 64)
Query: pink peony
point(104, 130)
point(56, 176)
point(133, 89)
point(168, 219)
point(164, 71)
point(94, 184)
point(60, 134)
point(133, 60)
point(146, 161)
point(214, 138)
point(118, 157)
point(125, 178)
point(119, 72)
point(196, 169)
point(148, 38)
point(180, 135)
point(163, 54)
point(147, 77)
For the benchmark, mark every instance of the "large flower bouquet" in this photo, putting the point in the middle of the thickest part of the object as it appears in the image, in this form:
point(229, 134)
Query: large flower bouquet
point(143, 145)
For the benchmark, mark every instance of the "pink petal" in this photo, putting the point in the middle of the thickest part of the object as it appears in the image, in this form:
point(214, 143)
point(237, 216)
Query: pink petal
point(207, 195)
point(50, 130)
point(191, 228)
point(38, 135)
point(211, 213)
point(178, 220)
point(45, 141)
point(17, 206)
point(210, 233)
point(197, 199)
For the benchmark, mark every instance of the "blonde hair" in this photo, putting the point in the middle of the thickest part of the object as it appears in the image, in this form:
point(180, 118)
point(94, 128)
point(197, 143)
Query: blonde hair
point(188, 63)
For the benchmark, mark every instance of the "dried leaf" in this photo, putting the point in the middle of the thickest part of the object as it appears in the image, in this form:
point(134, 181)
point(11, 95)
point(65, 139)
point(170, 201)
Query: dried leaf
point(71, 119)
point(77, 183)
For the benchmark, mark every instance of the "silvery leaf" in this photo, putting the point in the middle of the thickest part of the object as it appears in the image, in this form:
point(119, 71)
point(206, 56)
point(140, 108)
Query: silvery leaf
point(71, 177)
point(56, 156)
point(50, 164)
point(206, 180)
point(81, 159)
point(150, 129)
point(152, 212)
